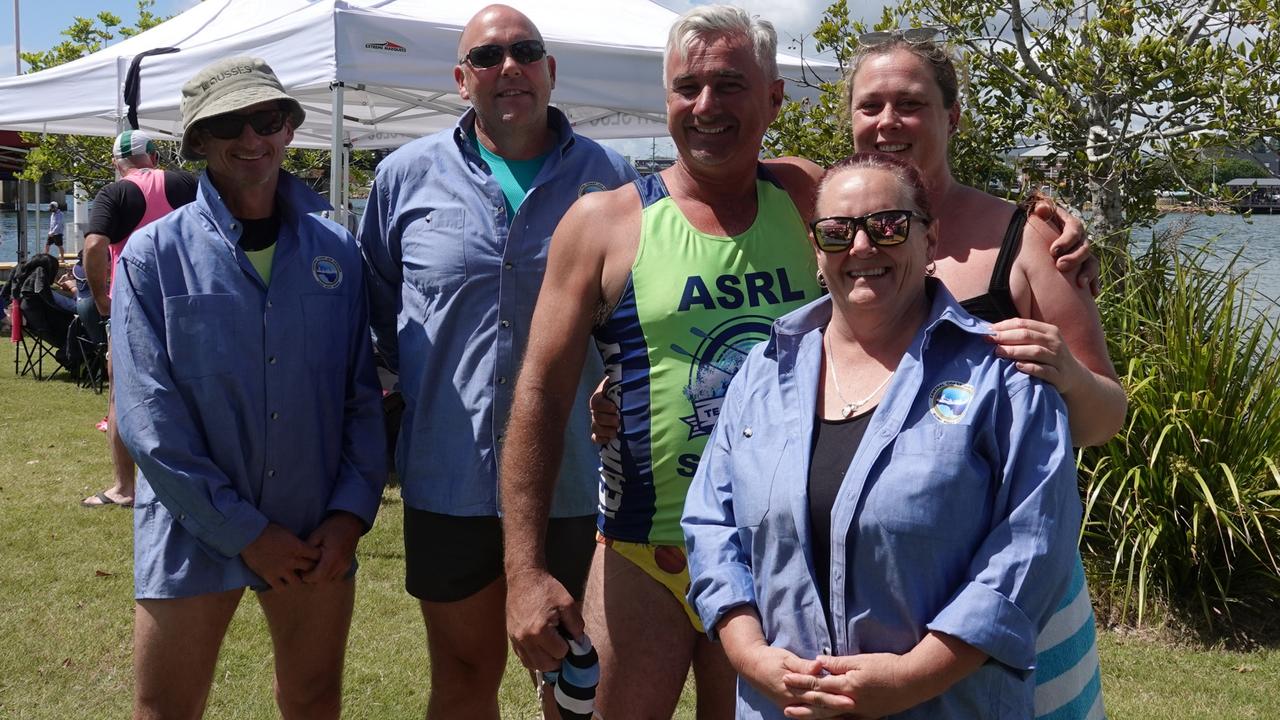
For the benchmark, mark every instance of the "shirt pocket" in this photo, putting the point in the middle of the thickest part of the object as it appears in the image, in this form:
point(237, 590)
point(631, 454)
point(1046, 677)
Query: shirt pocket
point(937, 484)
point(754, 474)
point(434, 251)
point(324, 325)
point(202, 334)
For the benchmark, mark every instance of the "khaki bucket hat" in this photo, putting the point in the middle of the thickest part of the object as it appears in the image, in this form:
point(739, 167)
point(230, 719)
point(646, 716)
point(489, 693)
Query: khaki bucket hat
point(229, 85)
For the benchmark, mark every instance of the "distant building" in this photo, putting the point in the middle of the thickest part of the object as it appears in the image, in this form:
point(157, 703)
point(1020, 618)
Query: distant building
point(1037, 167)
point(1269, 160)
point(13, 154)
point(1259, 195)
point(651, 165)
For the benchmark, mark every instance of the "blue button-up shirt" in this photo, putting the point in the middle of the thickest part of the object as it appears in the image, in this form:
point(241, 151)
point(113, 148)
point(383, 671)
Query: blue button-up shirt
point(243, 403)
point(959, 512)
point(452, 284)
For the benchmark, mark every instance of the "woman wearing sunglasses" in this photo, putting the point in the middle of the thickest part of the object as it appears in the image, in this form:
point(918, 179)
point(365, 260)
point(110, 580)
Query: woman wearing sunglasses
point(902, 96)
point(886, 512)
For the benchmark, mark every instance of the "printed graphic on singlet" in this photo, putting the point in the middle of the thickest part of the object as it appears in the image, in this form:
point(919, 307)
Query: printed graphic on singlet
point(713, 363)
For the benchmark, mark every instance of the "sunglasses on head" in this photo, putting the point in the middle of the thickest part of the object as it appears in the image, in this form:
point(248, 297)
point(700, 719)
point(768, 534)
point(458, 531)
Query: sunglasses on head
point(229, 126)
point(888, 227)
point(486, 56)
point(911, 36)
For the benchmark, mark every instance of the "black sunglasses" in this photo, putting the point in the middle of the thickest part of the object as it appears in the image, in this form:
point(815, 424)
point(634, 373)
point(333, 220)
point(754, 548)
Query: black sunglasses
point(230, 125)
point(887, 227)
point(486, 56)
point(911, 36)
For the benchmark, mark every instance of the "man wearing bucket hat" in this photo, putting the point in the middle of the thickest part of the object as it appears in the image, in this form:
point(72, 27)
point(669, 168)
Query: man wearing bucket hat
point(143, 194)
point(248, 397)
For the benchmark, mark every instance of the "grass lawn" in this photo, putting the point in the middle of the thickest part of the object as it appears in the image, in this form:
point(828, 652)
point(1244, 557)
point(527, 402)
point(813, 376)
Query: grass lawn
point(66, 593)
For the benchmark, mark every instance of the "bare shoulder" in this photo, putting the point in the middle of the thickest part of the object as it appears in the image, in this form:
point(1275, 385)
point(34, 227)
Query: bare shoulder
point(1040, 291)
point(979, 204)
point(1036, 237)
point(597, 219)
point(800, 178)
point(600, 234)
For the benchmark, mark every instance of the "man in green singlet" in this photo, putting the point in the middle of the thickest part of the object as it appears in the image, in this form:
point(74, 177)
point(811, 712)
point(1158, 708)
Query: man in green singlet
point(677, 276)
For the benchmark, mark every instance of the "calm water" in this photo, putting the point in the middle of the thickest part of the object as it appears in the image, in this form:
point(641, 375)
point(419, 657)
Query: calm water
point(1258, 238)
point(35, 238)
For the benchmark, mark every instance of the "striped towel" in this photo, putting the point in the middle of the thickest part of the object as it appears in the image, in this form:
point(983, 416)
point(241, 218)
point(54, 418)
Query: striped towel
point(576, 680)
point(1068, 677)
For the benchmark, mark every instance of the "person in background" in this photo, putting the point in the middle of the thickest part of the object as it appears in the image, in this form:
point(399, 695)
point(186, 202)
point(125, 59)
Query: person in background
point(455, 240)
point(55, 230)
point(248, 396)
point(143, 194)
point(77, 282)
point(931, 484)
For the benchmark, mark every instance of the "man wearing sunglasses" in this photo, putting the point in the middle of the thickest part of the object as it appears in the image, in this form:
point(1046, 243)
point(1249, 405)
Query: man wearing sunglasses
point(249, 399)
point(455, 240)
point(677, 277)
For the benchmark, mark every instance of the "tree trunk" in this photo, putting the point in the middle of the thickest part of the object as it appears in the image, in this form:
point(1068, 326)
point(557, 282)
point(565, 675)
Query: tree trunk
point(1108, 228)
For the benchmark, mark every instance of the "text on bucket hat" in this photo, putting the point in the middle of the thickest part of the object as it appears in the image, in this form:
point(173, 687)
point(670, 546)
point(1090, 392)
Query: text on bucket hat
point(229, 85)
point(132, 142)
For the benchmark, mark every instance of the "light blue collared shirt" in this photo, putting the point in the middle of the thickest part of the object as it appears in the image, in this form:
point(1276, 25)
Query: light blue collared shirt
point(959, 512)
point(242, 403)
point(452, 285)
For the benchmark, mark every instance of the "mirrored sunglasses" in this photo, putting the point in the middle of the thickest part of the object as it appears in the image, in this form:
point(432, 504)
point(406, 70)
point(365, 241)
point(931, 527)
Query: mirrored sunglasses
point(524, 52)
point(911, 36)
point(888, 227)
point(230, 125)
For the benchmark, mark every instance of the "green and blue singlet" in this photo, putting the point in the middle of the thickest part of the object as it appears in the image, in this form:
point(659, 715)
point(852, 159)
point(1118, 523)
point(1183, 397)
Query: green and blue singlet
point(694, 306)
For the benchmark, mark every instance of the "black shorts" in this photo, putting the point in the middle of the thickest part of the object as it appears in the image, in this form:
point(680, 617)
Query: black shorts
point(449, 558)
point(54, 240)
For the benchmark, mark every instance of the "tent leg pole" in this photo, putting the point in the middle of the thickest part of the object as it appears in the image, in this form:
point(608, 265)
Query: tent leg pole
point(336, 195)
point(346, 179)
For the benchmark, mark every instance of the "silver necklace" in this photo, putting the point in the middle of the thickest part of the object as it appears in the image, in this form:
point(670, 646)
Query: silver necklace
point(849, 408)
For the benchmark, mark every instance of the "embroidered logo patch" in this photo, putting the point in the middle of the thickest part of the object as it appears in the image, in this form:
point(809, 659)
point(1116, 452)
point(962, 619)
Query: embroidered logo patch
point(590, 187)
point(327, 272)
point(949, 401)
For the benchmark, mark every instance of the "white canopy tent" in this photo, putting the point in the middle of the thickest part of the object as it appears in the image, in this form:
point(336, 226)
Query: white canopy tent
point(370, 73)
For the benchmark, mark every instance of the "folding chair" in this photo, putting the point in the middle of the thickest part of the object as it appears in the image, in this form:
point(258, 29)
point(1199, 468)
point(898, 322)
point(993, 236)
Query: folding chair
point(44, 337)
point(93, 358)
point(31, 350)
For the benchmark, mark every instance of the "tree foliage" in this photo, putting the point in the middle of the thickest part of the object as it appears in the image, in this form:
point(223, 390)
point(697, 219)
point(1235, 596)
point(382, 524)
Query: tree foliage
point(79, 158)
point(1183, 507)
point(819, 130)
point(1209, 175)
point(1110, 86)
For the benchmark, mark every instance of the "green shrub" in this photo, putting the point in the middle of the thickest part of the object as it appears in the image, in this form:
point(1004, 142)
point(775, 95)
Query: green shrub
point(1183, 506)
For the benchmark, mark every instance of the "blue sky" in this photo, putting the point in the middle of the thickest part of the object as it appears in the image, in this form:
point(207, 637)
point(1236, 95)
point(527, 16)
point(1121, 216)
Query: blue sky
point(41, 29)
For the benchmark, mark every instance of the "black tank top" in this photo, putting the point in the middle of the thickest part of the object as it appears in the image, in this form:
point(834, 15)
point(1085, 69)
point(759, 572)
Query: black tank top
point(997, 303)
point(834, 443)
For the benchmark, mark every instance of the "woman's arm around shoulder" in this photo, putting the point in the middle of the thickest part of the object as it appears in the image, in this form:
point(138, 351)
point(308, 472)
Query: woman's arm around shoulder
point(1059, 339)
